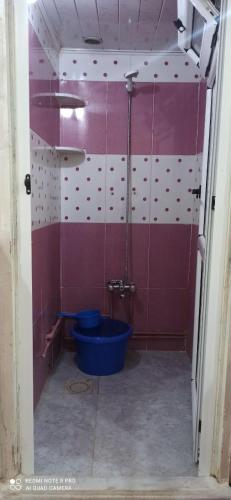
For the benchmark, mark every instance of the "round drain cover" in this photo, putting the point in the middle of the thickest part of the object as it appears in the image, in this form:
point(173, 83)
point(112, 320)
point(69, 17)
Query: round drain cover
point(78, 386)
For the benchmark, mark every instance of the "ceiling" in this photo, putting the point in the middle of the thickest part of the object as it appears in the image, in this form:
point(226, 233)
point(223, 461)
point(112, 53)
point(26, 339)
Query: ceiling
point(122, 24)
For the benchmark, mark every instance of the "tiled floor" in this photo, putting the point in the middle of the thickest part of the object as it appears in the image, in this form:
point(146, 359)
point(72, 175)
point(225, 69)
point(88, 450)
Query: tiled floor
point(134, 423)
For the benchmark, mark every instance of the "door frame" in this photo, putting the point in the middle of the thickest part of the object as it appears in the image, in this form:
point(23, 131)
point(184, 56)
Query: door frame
point(24, 306)
point(201, 279)
point(16, 356)
point(216, 430)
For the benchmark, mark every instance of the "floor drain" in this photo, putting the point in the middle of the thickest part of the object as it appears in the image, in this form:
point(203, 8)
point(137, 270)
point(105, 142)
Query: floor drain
point(79, 386)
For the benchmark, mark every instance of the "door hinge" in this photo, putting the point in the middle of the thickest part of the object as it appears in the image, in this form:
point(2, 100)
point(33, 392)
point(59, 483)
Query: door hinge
point(213, 202)
point(199, 426)
point(27, 183)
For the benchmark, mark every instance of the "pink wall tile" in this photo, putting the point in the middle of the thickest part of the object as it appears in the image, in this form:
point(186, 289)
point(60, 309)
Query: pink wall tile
point(201, 116)
point(83, 254)
point(164, 307)
point(164, 118)
point(140, 311)
point(117, 116)
point(45, 268)
point(118, 308)
point(165, 342)
point(168, 310)
point(44, 121)
point(138, 342)
point(45, 241)
point(192, 285)
point(76, 298)
point(139, 254)
point(115, 251)
point(169, 255)
point(41, 371)
point(38, 340)
point(42, 367)
point(133, 310)
point(46, 296)
point(175, 118)
point(88, 132)
point(142, 119)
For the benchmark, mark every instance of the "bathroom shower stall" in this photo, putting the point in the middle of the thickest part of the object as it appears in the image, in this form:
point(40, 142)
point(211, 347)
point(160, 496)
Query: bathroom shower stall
point(120, 123)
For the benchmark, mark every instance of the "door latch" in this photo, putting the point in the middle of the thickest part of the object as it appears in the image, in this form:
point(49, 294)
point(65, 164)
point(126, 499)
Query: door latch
point(197, 192)
point(213, 202)
point(27, 183)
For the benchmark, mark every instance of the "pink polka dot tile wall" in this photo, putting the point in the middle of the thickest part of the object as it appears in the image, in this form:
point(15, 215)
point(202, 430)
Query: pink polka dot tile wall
point(166, 142)
point(46, 195)
point(95, 191)
point(79, 210)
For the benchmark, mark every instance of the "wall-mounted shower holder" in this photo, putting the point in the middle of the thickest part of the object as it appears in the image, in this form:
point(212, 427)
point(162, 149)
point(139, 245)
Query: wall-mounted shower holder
point(123, 287)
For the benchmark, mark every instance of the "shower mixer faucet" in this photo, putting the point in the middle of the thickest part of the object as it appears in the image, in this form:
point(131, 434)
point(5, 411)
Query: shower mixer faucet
point(122, 286)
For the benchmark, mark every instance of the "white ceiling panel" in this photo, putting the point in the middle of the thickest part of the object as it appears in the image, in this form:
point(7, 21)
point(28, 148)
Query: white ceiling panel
point(53, 15)
point(129, 11)
point(150, 11)
point(122, 24)
point(88, 17)
point(166, 34)
point(70, 32)
point(108, 11)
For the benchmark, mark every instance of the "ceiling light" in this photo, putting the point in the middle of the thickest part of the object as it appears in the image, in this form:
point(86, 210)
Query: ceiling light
point(31, 1)
point(93, 40)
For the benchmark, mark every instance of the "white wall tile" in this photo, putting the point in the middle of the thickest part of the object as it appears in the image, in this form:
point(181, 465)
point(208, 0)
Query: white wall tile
point(94, 66)
point(173, 177)
point(116, 188)
point(160, 189)
point(111, 66)
point(45, 183)
point(83, 191)
point(140, 188)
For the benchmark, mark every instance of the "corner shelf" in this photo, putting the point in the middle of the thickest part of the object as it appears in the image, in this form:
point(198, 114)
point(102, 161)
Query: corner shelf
point(57, 100)
point(70, 156)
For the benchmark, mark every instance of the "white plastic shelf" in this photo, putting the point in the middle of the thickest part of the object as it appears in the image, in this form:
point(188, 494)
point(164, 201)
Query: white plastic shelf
point(57, 100)
point(70, 156)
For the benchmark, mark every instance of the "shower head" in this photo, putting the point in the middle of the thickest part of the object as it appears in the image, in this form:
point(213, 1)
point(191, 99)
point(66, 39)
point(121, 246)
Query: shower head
point(129, 76)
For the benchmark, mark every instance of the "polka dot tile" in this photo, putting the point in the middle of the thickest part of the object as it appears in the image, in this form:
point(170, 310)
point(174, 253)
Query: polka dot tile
point(116, 177)
point(98, 189)
point(171, 196)
point(141, 183)
point(160, 67)
point(45, 183)
point(83, 191)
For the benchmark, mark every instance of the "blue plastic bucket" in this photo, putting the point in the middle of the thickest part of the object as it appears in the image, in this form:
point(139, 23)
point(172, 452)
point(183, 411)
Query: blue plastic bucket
point(86, 319)
point(102, 350)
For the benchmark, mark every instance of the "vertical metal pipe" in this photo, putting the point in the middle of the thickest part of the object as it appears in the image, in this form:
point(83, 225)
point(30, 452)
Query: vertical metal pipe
point(128, 197)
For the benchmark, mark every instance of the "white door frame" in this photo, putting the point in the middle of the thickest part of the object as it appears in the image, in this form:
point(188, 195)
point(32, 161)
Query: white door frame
point(201, 278)
point(15, 68)
point(24, 250)
point(216, 360)
point(216, 357)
